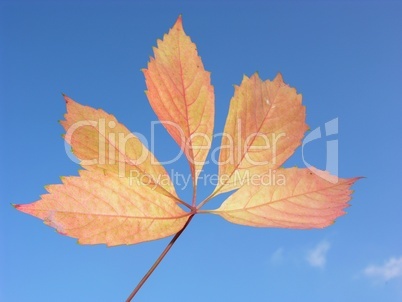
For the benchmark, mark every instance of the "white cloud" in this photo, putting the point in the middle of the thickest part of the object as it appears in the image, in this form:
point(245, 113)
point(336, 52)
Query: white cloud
point(317, 257)
point(277, 257)
point(389, 270)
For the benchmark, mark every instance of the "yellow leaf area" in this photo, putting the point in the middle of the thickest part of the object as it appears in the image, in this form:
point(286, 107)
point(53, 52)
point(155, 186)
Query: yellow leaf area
point(294, 198)
point(125, 196)
point(181, 94)
point(104, 208)
point(101, 143)
point(265, 124)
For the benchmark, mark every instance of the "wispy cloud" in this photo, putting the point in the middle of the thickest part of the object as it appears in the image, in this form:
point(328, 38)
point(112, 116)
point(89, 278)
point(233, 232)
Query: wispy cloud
point(317, 257)
point(277, 257)
point(391, 269)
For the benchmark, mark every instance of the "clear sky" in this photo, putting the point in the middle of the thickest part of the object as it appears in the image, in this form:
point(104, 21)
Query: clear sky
point(345, 57)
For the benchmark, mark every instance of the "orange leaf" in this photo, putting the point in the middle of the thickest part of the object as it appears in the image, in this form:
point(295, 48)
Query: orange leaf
point(265, 124)
point(289, 198)
point(102, 143)
point(101, 207)
point(125, 196)
point(180, 92)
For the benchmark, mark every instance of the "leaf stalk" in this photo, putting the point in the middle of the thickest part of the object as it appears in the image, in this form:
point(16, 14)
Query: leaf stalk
point(160, 258)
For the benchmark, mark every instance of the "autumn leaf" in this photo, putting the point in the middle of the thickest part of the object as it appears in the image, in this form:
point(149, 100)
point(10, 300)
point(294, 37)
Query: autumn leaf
point(103, 144)
point(125, 196)
point(265, 124)
point(290, 198)
point(102, 207)
point(181, 94)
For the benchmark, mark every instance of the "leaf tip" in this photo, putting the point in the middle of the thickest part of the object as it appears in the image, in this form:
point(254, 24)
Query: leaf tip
point(178, 25)
point(21, 207)
point(66, 98)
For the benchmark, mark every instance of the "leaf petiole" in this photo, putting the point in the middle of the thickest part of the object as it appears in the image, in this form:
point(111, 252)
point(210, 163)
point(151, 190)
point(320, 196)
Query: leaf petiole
point(160, 258)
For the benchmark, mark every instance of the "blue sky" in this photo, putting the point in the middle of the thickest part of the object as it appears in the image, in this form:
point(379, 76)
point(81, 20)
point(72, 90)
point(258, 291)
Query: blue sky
point(344, 57)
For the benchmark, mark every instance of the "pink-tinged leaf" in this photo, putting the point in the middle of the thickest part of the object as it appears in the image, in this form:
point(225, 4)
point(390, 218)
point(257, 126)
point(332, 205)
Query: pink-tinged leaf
point(181, 94)
point(103, 144)
point(101, 207)
point(264, 126)
point(289, 198)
